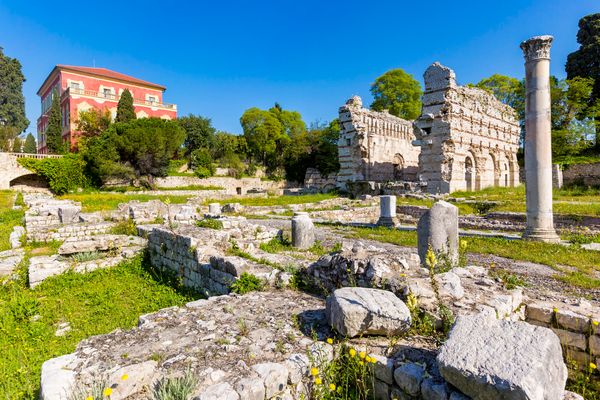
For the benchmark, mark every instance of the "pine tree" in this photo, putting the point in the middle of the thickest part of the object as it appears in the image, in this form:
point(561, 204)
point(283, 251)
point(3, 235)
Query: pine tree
point(30, 146)
point(17, 146)
point(125, 110)
point(54, 141)
point(12, 102)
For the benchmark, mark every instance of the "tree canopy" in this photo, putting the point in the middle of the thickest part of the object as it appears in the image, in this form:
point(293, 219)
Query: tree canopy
point(399, 93)
point(199, 132)
point(54, 141)
point(585, 62)
point(12, 102)
point(125, 109)
point(30, 145)
point(264, 135)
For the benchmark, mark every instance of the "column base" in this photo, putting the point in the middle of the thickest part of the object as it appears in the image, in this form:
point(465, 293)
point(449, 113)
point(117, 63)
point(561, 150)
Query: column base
point(541, 235)
point(390, 222)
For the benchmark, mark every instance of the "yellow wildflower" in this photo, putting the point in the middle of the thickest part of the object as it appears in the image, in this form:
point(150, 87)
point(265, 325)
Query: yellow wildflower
point(368, 359)
point(318, 381)
point(330, 340)
point(463, 245)
point(431, 259)
point(89, 398)
point(314, 371)
point(593, 366)
point(124, 377)
point(595, 323)
point(107, 392)
point(555, 310)
point(362, 354)
point(352, 352)
point(331, 386)
point(361, 363)
point(373, 360)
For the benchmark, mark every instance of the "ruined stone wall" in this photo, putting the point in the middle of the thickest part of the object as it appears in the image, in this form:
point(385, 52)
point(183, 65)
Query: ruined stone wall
point(375, 146)
point(468, 138)
point(582, 174)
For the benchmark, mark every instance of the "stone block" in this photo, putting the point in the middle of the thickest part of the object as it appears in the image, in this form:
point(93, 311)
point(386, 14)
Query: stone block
point(409, 377)
point(438, 229)
point(274, 376)
point(250, 389)
point(595, 345)
point(573, 321)
point(487, 358)
point(381, 390)
point(387, 211)
point(432, 390)
point(571, 339)
point(383, 369)
point(303, 231)
point(219, 391)
point(354, 311)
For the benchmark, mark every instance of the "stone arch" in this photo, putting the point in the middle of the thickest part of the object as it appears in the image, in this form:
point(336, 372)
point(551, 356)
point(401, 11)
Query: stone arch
point(503, 170)
point(487, 171)
point(398, 167)
point(28, 181)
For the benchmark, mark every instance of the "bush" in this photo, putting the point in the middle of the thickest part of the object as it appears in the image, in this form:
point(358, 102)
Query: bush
point(200, 159)
point(202, 172)
point(210, 223)
point(63, 174)
point(247, 283)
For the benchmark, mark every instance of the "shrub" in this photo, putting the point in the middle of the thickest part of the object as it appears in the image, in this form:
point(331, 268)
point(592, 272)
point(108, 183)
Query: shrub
point(63, 174)
point(210, 223)
point(175, 388)
point(247, 283)
point(127, 227)
point(201, 163)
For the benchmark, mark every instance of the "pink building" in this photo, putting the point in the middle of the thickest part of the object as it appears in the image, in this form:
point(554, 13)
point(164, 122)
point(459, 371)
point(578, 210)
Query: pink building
point(84, 88)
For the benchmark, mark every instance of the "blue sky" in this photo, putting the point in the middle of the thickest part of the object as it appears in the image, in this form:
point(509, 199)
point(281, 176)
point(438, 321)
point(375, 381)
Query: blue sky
point(219, 58)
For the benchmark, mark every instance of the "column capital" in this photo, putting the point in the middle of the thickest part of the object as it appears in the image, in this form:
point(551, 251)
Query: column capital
point(536, 48)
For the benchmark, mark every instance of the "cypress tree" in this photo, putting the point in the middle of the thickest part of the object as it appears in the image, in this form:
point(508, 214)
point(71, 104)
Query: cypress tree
point(12, 102)
point(125, 110)
point(54, 141)
point(17, 145)
point(30, 145)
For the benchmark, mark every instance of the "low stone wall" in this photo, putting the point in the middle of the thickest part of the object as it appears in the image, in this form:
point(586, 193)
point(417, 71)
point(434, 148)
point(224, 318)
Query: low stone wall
point(582, 174)
point(230, 185)
point(196, 256)
point(48, 233)
point(578, 332)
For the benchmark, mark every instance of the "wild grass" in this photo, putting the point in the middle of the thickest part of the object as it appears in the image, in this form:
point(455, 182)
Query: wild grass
point(127, 227)
point(575, 266)
point(192, 187)
point(175, 388)
point(281, 200)
point(101, 201)
point(8, 217)
point(93, 303)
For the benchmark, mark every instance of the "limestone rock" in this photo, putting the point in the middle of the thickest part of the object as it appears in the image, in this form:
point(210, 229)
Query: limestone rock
point(43, 267)
point(409, 377)
point(250, 389)
point(219, 391)
point(354, 311)
point(15, 237)
point(274, 376)
point(57, 378)
point(491, 359)
point(303, 231)
point(438, 229)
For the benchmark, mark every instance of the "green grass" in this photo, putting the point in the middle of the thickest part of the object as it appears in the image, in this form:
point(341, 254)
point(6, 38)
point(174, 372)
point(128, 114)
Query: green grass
point(8, 217)
point(280, 200)
point(99, 201)
point(191, 187)
point(513, 199)
point(583, 262)
point(93, 303)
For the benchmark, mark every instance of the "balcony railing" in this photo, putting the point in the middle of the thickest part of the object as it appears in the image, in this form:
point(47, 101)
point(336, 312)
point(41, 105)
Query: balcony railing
point(113, 97)
point(30, 155)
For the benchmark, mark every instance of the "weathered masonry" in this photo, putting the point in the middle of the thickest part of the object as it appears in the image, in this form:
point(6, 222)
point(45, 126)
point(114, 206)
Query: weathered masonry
point(375, 146)
point(468, 138)
point(465, 139)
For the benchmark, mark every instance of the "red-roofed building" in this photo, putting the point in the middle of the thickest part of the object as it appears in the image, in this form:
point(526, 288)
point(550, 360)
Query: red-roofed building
point(84, 88)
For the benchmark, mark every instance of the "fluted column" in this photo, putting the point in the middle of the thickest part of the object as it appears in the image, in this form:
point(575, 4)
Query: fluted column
point(538, 149)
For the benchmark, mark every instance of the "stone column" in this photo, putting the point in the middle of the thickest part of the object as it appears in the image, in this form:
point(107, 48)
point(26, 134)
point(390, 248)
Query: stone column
point(214, 209)
point(438, 229)
point(538, 154)
point(303, 231)
point(387, 211)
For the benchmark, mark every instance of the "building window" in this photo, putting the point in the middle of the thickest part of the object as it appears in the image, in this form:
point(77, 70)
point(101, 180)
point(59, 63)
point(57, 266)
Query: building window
point(107, 93)
point(75, 85)
point(151, 99)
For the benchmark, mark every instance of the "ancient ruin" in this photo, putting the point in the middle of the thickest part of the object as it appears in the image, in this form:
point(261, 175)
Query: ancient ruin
point(465, 139)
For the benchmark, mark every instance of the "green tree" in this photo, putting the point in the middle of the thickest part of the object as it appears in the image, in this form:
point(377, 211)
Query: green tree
point(12, 102)
point(137, 149)
point(125, 109)
point(199, 132)
point(585, 62)
point(17, 146)
point(93, 122)
point(508, 90)
point(54, 141)
point(263, 133)
point(202, 163)
point(397, 92)
point(30, 146)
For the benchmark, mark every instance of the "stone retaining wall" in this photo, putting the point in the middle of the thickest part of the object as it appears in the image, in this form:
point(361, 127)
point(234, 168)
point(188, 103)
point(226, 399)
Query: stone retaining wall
point(196, 256)
point(579, 334)
point(582, 174)
point(46, 233)
point(230, 185)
